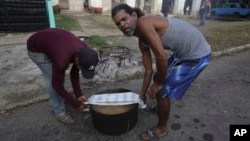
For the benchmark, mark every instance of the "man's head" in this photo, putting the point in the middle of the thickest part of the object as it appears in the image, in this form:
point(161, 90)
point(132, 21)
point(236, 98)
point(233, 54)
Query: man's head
point(125, 18)
point(120, 7)
point(88, 59)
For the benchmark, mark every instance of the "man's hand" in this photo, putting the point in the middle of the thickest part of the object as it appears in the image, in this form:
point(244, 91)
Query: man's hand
point(152, 91)
point(82, 107)
point(143, 98)
point(82, 98)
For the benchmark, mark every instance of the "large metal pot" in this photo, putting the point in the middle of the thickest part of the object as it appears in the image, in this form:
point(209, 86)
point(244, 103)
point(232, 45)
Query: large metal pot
point(114, 120)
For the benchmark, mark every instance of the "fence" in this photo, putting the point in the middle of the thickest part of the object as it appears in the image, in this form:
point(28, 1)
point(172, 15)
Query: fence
point(23, 15)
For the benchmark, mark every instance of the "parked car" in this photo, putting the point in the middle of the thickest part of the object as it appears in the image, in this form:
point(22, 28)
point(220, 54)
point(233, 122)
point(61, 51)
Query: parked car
point(236, 10)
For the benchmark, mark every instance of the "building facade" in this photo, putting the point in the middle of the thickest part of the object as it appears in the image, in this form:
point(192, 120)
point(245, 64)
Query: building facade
point(179, 7)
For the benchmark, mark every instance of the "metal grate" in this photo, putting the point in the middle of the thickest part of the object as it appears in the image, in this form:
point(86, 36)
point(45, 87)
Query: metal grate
point(114, 52)
point(23, 15)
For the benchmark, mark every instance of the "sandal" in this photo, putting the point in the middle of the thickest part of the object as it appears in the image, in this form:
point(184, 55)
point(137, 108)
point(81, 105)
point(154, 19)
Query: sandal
point(151, 135)
point(152, 109)
point(66, 119)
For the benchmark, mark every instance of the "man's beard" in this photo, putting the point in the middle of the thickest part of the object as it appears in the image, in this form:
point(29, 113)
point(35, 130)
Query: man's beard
point(131, 32)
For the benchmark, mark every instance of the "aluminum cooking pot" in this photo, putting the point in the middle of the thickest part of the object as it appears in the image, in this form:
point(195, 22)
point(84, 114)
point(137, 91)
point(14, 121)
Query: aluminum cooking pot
point(112, 109)
point(114, 120)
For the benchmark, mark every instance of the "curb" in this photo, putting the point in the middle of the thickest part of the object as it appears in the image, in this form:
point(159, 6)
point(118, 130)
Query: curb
point(230, 51)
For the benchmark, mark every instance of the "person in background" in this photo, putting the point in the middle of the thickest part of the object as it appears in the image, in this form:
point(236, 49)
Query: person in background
point(190, 56)
point(86, 5)
point(166, 5)
point(204, 11)
point(53, 50)
point(188, 7)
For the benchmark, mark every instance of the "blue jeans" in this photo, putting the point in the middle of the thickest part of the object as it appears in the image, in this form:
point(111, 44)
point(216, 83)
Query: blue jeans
point(165, 13)
point(203, 15)
point(45, 65)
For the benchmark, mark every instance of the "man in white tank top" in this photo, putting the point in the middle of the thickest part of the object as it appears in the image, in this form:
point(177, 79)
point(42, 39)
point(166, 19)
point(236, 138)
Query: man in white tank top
point(191, 54)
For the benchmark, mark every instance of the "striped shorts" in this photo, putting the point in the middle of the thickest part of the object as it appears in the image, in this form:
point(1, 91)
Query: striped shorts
point(180, 75)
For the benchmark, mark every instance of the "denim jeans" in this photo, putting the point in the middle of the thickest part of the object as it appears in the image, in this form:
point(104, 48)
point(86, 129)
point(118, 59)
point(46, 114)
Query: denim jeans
point(45, 65)
point(203, 15)
point(165, 13)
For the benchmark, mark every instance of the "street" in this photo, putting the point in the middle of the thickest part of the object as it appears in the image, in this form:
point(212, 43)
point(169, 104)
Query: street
point(218, 98)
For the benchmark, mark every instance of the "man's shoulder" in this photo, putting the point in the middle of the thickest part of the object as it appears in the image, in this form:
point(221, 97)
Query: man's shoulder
point(149, 19)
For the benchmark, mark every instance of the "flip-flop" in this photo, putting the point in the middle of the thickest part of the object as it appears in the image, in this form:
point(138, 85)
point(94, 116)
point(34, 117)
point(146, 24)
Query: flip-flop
point(151, 135)
point(152, 108)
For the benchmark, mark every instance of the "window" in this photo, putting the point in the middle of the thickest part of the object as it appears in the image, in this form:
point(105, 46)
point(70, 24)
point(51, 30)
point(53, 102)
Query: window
point(243, 6)
point(233, 6)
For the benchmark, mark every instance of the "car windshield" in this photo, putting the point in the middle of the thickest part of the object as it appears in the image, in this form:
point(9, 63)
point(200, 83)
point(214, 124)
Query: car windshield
point(243, 6)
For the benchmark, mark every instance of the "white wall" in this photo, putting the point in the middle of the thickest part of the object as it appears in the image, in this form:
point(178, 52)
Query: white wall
point(55, 2)
point(141, 4)
point(106, 5)
point(195, 7)
point(178, 7)
point(95, 3)
point(156, 7)
point(130, 3)
point(76, 5)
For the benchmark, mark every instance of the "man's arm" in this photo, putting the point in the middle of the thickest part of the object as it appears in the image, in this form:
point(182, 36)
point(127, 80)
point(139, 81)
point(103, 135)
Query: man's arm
point(147, 63)
point(75, 81)
point(57, 83)
point(148, 32)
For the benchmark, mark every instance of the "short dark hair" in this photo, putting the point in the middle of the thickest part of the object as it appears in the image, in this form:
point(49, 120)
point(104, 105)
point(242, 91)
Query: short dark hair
point(127, 9)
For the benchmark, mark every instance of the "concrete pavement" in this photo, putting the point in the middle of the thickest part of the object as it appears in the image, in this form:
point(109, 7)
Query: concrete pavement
point(218, 98)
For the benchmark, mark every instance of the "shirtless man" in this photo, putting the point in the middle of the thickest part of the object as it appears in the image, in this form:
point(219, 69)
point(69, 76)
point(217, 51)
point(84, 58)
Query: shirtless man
point(175, 73)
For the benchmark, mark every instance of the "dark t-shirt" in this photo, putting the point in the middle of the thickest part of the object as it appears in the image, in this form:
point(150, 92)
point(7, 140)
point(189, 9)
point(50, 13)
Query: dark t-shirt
point(61, 46)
